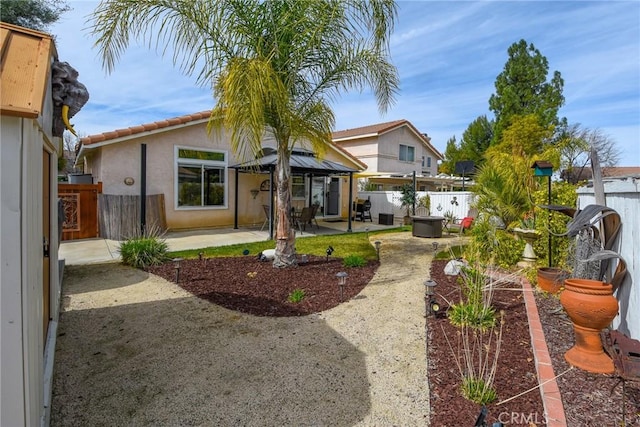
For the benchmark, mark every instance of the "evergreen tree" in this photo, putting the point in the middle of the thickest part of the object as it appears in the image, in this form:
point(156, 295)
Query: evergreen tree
point(452, 154)
point(476, 139)
point(34, 14)
point(522, 89)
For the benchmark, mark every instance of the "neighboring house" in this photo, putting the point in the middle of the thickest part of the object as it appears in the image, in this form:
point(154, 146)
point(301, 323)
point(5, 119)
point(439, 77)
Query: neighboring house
point(580, 174)
point(195, 173)
point(393, 152)
point(29, 270)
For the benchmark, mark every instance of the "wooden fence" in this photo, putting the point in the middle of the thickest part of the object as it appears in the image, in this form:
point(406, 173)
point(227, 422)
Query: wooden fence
point(79, 209)
point(119, 216)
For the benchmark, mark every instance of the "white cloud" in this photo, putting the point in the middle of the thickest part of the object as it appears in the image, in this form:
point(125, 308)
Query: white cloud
point(448, 54)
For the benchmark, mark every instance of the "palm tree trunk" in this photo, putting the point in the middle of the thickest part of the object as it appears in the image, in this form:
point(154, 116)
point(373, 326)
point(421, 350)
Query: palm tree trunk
point(285, 255)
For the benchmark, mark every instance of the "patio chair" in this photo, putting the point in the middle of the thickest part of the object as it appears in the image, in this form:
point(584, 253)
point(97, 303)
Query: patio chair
point(467, 221)
point(314, 208)
point(305, 217)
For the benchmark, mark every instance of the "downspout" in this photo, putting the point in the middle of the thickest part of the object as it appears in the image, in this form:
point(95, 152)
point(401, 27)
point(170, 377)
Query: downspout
point(143, 188)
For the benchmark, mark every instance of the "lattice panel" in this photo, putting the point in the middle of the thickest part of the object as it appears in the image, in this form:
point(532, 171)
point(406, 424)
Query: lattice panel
point(71, 205)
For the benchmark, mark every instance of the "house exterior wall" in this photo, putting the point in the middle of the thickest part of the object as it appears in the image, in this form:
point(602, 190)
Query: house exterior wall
point(382, 153)
point(365, 150)
point(111, 164)
point(623, 195)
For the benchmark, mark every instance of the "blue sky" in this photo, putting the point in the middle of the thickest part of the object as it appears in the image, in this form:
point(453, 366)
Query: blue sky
point(448, 55)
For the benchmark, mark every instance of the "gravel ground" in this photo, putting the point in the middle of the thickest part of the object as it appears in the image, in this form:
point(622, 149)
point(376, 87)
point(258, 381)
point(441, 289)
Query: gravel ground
point(134, 349)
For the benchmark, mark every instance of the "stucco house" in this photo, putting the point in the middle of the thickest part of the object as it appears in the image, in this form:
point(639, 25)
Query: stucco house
point(32, 110)
point(393, 152)
point(198, 175)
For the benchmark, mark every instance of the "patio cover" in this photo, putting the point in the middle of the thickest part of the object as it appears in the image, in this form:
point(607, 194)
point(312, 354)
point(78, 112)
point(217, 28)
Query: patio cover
point(301, 161)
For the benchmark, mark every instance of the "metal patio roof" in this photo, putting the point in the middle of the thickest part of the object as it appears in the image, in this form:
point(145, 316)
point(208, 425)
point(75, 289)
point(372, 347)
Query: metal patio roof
point(302, 161)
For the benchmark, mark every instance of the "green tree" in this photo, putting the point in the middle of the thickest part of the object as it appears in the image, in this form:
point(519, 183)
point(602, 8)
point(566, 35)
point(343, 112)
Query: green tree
point(476, 139)
point(34, 14)
point(273, 65)
point(452, 154)
point(522, 89)
point(525, 136)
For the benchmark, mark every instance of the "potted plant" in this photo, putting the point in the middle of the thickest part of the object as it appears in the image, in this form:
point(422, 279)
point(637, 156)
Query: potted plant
point(407, 201)
point(588, 293)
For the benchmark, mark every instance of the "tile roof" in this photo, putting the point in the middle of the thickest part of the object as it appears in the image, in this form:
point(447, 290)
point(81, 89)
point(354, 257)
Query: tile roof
point(621, 171)
point(375, 129)
point(148, 127)
point(380, 128)
point(104, 138)
point(25, 66)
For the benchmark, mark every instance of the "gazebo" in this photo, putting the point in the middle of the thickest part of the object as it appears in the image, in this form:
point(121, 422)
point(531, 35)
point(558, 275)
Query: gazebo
point(302, 161)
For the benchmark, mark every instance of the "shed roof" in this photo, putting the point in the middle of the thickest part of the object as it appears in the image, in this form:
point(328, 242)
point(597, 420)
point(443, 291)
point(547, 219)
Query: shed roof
point(25, 57)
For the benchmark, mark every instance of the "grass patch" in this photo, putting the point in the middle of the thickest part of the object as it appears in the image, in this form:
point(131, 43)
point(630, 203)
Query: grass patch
point(345, 245)
point(454, 252)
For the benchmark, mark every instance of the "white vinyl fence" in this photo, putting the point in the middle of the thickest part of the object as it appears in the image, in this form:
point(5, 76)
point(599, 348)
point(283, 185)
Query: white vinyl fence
point(388, 202)
point(623, 196)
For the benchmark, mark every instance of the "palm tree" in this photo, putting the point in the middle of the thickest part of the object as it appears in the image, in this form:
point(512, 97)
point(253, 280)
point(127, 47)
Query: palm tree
point(273, 65)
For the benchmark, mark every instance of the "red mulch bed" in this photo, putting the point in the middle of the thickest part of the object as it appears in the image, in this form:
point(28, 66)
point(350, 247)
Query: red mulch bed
point(516, 370)
point(251, 286)
point(589, 399)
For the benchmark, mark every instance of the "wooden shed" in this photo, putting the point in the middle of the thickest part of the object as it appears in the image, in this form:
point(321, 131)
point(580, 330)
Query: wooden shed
point(29, 271)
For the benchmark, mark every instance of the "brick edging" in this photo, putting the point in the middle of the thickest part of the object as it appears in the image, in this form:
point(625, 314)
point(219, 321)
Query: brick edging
point(550, 392)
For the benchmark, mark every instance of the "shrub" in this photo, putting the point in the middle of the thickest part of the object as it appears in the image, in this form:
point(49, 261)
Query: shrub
point(296, 296)
point(474, 310)
point(354, 261)
point(490, 245)
point(473, 315)
point(144, 251)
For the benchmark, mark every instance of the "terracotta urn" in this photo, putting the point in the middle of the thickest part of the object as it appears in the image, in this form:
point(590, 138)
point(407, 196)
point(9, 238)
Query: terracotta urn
point(591, 307)
point(550, 279)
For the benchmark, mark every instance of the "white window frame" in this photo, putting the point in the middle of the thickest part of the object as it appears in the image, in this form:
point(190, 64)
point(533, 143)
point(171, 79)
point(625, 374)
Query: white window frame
point(298, 184)
point(407, 149)
point(196, 162)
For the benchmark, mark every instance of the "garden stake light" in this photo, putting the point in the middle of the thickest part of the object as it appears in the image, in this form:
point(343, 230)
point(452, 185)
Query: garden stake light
point(377, 243)
point(342, 281)
point(430, 292)
point(177, 267)
point(329, 252)
point(304, 259)
point(435, 246)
